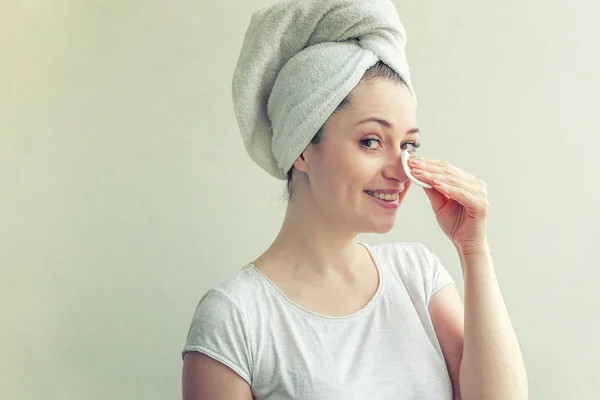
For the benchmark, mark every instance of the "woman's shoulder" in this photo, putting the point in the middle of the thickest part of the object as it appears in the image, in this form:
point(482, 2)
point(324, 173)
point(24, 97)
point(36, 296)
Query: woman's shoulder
point(414, 264)
point(399, 250)
point(239, 290)
point(407, 259)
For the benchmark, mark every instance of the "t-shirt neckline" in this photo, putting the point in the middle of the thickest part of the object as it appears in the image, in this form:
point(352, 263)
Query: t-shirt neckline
point(363, 311)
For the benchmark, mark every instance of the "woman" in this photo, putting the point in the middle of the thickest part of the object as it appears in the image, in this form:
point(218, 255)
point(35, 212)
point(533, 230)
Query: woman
point(324, 99)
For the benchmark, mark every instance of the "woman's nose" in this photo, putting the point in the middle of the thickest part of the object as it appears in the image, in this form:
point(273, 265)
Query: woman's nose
point(395, 169)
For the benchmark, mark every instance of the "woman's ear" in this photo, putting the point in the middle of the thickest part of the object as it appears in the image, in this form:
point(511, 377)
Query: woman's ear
point(300, 163)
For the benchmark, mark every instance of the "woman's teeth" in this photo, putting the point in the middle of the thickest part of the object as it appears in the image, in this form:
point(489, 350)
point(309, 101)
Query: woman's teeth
point(382, 196)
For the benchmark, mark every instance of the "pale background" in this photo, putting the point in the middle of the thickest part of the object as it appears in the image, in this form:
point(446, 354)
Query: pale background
point(125, 190)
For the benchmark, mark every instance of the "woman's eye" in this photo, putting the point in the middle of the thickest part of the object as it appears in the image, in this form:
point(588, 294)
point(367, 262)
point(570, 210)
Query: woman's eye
point(410, 146)
point(371, 143)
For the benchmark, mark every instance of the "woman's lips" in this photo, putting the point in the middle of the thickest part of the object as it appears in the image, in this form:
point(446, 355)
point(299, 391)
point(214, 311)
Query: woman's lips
point(388, 204)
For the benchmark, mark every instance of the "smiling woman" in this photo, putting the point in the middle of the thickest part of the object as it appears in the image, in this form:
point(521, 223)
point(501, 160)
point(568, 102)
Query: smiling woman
point(378, 71)
point(320, 315)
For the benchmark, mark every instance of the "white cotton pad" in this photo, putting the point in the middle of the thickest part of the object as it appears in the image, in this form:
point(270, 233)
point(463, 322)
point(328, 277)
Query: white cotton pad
point(405, 155)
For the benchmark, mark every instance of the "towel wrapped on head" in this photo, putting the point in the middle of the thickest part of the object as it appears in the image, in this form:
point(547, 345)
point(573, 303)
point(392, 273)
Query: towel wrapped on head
point(299, 60)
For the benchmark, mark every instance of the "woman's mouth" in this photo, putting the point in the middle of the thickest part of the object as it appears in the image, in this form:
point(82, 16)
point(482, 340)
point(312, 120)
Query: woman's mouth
point(386, 198)
point(390, 197)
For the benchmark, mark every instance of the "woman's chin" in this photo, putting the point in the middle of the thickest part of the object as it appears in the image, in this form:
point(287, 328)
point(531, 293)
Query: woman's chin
point(383, 226)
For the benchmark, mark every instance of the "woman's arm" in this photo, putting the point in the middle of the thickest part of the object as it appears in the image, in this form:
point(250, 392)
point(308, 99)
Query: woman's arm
point(207, 379)
point(491, 363)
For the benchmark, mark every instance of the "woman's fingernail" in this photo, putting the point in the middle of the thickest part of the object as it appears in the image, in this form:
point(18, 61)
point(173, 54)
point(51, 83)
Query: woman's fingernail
point(414, 161)
point(417, 171)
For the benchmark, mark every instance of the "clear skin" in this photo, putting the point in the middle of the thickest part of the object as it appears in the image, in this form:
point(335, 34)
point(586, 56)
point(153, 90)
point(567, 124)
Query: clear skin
point(329, 209)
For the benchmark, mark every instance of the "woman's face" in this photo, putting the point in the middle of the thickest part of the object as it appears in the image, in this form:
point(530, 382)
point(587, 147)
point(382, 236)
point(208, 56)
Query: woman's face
point(359, 157)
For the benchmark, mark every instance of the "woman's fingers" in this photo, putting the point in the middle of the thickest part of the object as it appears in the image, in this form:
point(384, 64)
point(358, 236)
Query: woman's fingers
point(429, 170)
point(440, 167)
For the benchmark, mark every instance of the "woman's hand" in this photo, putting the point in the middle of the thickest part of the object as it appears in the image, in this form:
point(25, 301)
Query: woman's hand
point(459, 201)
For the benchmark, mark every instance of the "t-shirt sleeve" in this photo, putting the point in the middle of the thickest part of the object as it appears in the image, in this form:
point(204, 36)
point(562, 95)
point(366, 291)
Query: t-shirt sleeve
point(436, 276)
point(219, 330)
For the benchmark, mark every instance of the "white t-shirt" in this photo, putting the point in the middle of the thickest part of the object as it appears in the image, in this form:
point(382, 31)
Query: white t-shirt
point(386, 350)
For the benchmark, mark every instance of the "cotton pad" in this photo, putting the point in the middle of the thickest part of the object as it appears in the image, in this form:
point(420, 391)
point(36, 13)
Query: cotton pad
point(405, 155)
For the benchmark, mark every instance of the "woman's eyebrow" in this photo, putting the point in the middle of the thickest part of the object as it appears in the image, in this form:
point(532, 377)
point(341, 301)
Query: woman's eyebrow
point(388, 125)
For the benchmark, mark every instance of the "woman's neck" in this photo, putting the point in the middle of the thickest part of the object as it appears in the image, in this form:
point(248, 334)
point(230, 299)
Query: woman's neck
point(310, 245)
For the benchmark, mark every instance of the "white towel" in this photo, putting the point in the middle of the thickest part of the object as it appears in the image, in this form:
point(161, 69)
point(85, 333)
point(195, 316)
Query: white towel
point(299, 60)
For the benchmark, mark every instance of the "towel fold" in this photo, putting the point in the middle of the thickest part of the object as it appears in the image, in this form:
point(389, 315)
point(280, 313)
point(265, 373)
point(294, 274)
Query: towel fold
point(299, 60)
